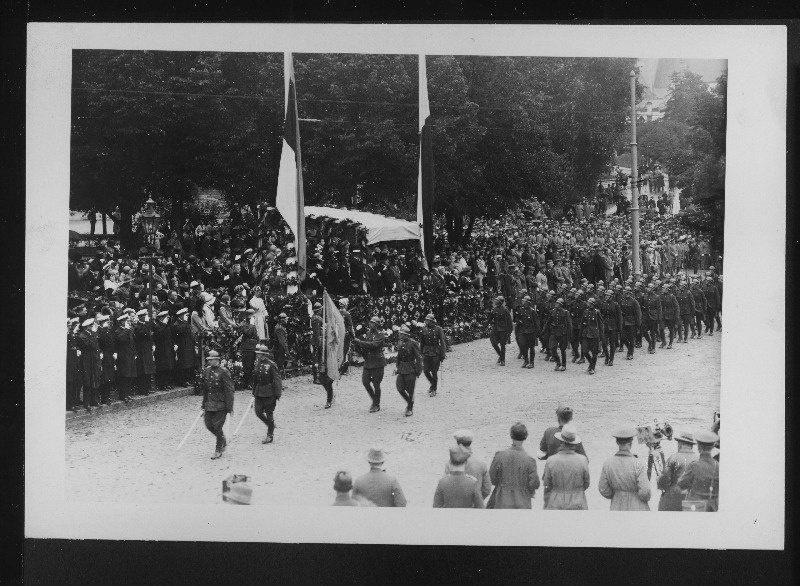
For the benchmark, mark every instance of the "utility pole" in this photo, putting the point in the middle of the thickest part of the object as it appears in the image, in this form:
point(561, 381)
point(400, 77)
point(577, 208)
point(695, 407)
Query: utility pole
point(634, 182)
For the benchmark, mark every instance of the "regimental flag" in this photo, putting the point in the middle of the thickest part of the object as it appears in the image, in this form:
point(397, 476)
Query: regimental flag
point(289, 200)
point(425, 180)
point(332, 336)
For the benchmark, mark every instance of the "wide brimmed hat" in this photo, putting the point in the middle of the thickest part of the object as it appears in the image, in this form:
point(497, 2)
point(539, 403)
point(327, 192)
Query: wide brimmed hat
point(376, 455)
point(163, 314)
point(375, 319)
point(87, 322)
point(240, 493)
point(568, 434)
point(685, 437)
point(261, 349)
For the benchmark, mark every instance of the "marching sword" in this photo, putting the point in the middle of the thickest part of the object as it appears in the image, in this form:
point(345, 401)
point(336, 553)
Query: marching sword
point(246, 411)
point(188, 433)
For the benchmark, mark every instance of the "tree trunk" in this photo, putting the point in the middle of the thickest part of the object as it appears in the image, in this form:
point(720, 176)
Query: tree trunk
point(468, 233)
point(458, 229)
point(177, 215)
point(105, 226)
point(126, 238)
point(449, 226)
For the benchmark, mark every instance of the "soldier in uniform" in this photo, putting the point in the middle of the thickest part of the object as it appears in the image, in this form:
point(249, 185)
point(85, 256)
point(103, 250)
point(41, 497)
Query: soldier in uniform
point(559, 324)
point(612, 321)
point(638, 295)
point(217, 399)
point(165, 350)
point(281, 342)
point(247, 330)
point(89, 350)
point(671, 494)
point(316, 340)
point(458, 489)
point(699, 307)
point(371, 348)
point(184, 340)
point(631, 320)
point(527, 331)
point(434, 350)
point(651, 317)
point(671, 312)
point(687, 309)
point(349, 334)
point(267, 389)
point(74, 379)
point(105, 339)
point(623, 478)
point(145, 366)
point(544, 310)
point(409, 367)
point(126, 356)
point(712, 305)
point(701, 477)
point(591, 332)
point(474, 467)
point(577, 310)
point(500, 321)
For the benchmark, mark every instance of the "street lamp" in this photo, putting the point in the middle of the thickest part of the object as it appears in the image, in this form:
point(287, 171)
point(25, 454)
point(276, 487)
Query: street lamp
point(150, 219)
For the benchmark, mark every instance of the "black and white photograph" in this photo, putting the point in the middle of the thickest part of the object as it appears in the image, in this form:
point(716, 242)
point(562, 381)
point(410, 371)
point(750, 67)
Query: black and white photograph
point(298, 267)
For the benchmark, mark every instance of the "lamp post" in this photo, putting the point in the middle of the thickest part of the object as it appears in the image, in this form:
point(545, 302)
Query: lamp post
point(634, 180)
point(149, 219)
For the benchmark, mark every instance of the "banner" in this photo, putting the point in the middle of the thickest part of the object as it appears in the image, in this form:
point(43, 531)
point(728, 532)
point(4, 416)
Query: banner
point(332, 336)
point(425, 180)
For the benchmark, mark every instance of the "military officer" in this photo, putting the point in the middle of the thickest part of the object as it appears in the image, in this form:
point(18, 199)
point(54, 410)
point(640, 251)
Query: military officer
point(105, 339)
point(623, 478)
point(247, 348)
point(90, 363)
point(125, 346)
point(631, 320)
point(701, 477)
point(699, 307)
point(638, 295)
point(371, 348)
point(544, 309)
point(559, 324)
point(671, 312)
point(267, 389)
point(687, 309)
point(281, 341)
point(576, 314)
point(612, 322)
point(671, 494)
point(527, 331)
point(591, 332)
point(457, 488)
point(651, 317)
point(409, 367)
point(434, 349)
point(500, 321)
point(349, 333)
point(217, 399)
point(711, 293)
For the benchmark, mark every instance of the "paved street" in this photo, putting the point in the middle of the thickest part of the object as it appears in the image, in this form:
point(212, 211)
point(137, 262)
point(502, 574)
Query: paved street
point(130, 456)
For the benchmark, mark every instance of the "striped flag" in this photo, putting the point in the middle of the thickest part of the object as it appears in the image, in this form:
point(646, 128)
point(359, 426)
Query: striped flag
point(332, 337)
point(289, 200)
point(426, 178)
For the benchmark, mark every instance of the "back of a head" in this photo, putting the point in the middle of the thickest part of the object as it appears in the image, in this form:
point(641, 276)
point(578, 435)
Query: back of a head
point(343, 481)
point(519, 432)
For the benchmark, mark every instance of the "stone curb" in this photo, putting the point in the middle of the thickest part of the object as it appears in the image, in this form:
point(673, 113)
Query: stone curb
point(136, 401)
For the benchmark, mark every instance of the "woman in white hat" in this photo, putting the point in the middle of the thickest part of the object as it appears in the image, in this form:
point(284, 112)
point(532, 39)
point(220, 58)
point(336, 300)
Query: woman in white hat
point(260, 318)
point(566, 474)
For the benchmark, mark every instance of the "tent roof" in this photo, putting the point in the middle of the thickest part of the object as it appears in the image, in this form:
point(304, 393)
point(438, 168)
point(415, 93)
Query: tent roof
point(379, 228)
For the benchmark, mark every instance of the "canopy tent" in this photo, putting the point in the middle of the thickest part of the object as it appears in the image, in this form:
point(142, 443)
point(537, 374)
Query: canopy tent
point(379, 228)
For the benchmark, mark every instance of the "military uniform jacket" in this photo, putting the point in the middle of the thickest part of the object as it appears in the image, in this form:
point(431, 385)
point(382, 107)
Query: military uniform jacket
point(348, 320)
point(699, 300)
point(268, 382)
point(477, 469)
point(89, 359)
point(500, 320)
point(280, 338)
point(669, 307)
point(701, 478)
point(712, 296)
point(433, 342)
point(409, 358)
point(631, 312)
point(668, 481)
point(105, 339)
point(217, 389)
point(651, 307)
point(458, 490)
point(143, 334)
point(527, 320)
point(624, 481)
point(165, 347)
point(577, 311)
point(612, 315)
point(685, 303)
point(126, 352)
point(372, 349)
point(560, 321)
point(249, 335)
point(182, 335)
point(316, 330)
point(591, 323)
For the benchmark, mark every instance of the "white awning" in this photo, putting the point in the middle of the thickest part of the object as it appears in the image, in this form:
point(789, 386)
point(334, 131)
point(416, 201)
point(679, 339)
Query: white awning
point(379, 228)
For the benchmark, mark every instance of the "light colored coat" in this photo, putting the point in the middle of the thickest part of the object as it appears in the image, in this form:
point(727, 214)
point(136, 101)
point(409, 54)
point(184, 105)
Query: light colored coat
point(379, 487)
point(624, 481)
point(565, 479)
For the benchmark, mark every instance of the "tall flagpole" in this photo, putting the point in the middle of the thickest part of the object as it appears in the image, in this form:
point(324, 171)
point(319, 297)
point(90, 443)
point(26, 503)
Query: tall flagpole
point(634, 180)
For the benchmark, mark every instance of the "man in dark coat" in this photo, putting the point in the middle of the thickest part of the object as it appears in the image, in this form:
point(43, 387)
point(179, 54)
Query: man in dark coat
point(527, 331)
point(390, 276)
point(373, 278)
point(217, 399)
point(687, 309)
point(671, 494)
point(409, 367)
point(184, 340)
point(577, 310)
point(371, 348)
point(701, 477)
point(74, 378)
point(126, 356)
point(699, 307)
point(281, 342)
point(165, 350)
point(713, 306)
point(612, 322)
point(502, 326)
point(247, 330)
point(559, 324)
point(349, 334)
point(89, 351)
point(670, 312)
point(513, 473)
point(267, 389)
point(145, 365)
point(433, 346)
point(591, 332)
point(105, 340)
point(316, 341)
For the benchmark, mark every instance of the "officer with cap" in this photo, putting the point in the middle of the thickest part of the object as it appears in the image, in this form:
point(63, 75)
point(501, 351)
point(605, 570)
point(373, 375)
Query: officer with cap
point(371, 348)
point(247, 348)
point(559, 324)
point(591, 332)
point(474, 467)
point(670, 311)
point(671, 494)
point(631, 320)
point(90, 367)
point(458, 489)
point(184, 346)
point(281, 343)
point(527, 331)
point(105, 339)
point(349, 334)
point(165, 350)
point(125, 346)
point(409, 367)
point(651, 317)
point(612, 322)
point(699, 306)
point(687, 310)
point(217, 385)
point(267, 389)
point(701, 477)
point(501, 324)
point(434, 350)
point(623, 478)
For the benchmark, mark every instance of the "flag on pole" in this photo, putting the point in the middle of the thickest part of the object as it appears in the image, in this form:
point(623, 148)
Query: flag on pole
point(426, 178)
point(289, 200)
point(333, 336)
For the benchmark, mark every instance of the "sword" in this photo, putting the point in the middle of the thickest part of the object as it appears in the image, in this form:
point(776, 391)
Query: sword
point(188, 433)
point(246, 411)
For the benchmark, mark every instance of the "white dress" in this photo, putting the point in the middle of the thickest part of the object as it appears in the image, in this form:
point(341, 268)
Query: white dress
point(257, 304)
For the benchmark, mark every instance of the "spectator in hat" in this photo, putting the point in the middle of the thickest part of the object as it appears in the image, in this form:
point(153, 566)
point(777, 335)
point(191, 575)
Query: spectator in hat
point(513, 473)
point(260, 317)
point(474, 467)
point(185, 347)
point(671, 494)
point(105, 340)
point(549, 444)
point(566, 474)
point(457, 489)
point(281, 343)
point(377, 486)
point(623, 478)
point(343, 484)
point(90, 363)
point(125, 350)
point(165, 350)
point(701, 477)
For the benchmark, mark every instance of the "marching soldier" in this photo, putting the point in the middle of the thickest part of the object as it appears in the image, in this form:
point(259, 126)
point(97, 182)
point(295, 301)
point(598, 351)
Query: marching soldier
point(623, 478)
point(281, 341)
point(671, 312)
point(349, 334)
point(671, 494)
point(371, 348)
point(631, 320)
point(316, 340)
point(165, 350)
point(126, 356)
point(184, 346)
point(267, 389)
point(434, 350)
point(559, 324)
point(500, 320)
point(638, 295)
point(105, 339)
point(217, 399)
point(527, 331)
point(651, 317)
point(712, 305)
point(145, 366)
point(576, 314)
point(545, 309)
point(687, 310)
point(699, 307)
point(409, 367)
point(612, 321)
point(247, 348)
point(591, 333)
